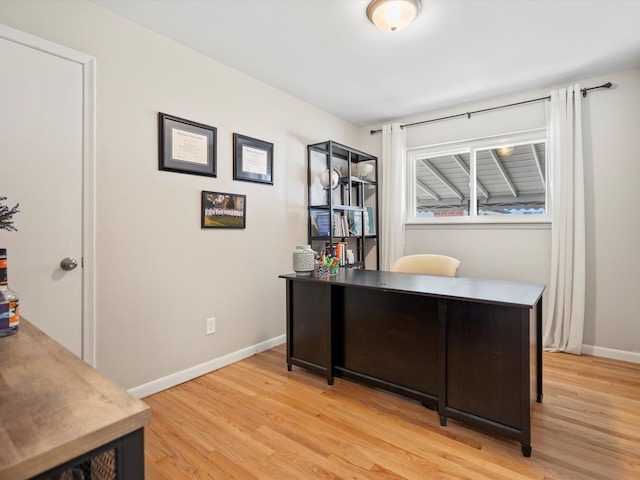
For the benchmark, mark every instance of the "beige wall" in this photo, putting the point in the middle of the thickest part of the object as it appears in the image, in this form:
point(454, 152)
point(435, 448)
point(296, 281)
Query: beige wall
point(158, 275)
point(611, 122)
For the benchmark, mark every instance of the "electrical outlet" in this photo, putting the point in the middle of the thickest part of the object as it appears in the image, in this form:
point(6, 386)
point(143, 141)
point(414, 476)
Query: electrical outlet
point(211, 325)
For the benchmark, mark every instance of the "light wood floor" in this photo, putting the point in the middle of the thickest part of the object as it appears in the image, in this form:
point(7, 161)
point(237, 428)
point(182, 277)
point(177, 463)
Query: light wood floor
point(256, 420)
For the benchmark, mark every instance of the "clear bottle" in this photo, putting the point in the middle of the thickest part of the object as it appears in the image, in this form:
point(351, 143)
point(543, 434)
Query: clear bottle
point(9, 301)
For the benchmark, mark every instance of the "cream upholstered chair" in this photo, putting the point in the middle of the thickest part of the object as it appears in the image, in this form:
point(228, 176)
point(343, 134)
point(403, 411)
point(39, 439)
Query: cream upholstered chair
point(427, 264)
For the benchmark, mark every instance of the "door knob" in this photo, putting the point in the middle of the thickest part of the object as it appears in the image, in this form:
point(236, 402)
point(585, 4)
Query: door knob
point(68, 263)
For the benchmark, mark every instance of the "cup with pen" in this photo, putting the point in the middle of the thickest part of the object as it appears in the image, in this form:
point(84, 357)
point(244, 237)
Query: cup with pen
point(325, 266)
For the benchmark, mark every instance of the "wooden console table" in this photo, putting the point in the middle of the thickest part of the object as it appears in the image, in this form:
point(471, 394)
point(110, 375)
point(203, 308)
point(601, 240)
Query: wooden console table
point(469, 348)
point(58, 414)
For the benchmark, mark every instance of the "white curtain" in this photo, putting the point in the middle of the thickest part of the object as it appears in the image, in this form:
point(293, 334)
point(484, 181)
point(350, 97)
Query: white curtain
point(566, 290)
point(392, 194)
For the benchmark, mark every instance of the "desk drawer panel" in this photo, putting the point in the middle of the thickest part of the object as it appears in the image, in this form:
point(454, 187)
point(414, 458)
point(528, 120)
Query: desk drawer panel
point(310, 323)
point(392, 337)
point(484, 361)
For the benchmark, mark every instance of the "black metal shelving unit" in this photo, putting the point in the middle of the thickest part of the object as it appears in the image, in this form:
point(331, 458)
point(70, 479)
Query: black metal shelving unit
point(343, 201)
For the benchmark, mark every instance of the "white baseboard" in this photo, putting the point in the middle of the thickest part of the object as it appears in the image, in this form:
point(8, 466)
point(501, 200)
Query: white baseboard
point(177, 378)
point(633, 357)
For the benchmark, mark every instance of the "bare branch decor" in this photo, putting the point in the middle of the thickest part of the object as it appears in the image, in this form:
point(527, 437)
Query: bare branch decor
point(6, 215)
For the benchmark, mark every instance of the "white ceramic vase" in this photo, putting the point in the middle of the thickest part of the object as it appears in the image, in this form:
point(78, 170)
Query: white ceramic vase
point(303, 260)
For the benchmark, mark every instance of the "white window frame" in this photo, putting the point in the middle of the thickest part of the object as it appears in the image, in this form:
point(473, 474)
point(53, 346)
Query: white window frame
point(471, 146)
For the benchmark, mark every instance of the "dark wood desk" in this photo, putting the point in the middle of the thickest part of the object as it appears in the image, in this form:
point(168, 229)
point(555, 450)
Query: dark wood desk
point(469, 348)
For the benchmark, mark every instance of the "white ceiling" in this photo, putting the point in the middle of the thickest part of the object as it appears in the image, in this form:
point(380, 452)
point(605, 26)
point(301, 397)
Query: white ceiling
point(326, 52)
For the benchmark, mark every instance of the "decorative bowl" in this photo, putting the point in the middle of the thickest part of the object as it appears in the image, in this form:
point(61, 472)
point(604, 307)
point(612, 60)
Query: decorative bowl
point(364, 170)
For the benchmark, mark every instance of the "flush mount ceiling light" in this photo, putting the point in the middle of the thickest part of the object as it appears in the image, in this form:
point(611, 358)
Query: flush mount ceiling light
point(393, 15)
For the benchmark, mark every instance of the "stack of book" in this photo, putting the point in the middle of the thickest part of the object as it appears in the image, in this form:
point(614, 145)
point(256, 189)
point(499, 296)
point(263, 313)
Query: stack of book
point(344, 224)
point(340, 225)
point(341, 253)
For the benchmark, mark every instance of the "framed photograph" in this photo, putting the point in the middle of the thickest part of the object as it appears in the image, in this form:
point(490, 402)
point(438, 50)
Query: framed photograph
point(223, 210)
point(252, 160)
point(185, 146)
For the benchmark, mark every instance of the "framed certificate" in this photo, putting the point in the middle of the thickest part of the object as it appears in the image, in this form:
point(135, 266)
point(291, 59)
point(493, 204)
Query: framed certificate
point(186, 147)
point(252, 159)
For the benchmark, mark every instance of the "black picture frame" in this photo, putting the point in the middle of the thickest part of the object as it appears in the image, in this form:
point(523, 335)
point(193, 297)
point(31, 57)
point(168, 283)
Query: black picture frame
point(186, 147)
point(252, 160)
point(217, 212)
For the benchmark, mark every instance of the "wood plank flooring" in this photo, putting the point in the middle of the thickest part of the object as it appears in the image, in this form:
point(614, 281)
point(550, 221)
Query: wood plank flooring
point(256, 420)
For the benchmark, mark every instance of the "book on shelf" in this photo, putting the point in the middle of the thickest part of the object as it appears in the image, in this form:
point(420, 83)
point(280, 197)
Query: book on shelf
point(321, 220)
point(369, 222)
point(341, 253)
point(355, 224)
point(340, 225)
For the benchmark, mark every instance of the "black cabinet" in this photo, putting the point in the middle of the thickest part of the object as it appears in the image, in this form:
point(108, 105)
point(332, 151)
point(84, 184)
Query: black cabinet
point(491, 371)
point(309, 308)
point(343, 203)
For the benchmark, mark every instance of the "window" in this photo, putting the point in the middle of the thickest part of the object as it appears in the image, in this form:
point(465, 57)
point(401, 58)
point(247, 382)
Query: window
point(499, 179)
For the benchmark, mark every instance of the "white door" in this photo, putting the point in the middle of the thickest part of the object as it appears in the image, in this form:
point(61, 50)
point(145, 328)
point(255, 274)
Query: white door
point(41, 168)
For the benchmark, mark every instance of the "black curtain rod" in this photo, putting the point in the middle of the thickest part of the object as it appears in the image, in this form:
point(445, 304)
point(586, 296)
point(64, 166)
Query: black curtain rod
point(468, 114)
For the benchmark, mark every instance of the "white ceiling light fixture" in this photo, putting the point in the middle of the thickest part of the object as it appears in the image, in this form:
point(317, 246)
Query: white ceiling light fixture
point(393, 15)
point(505, 151)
